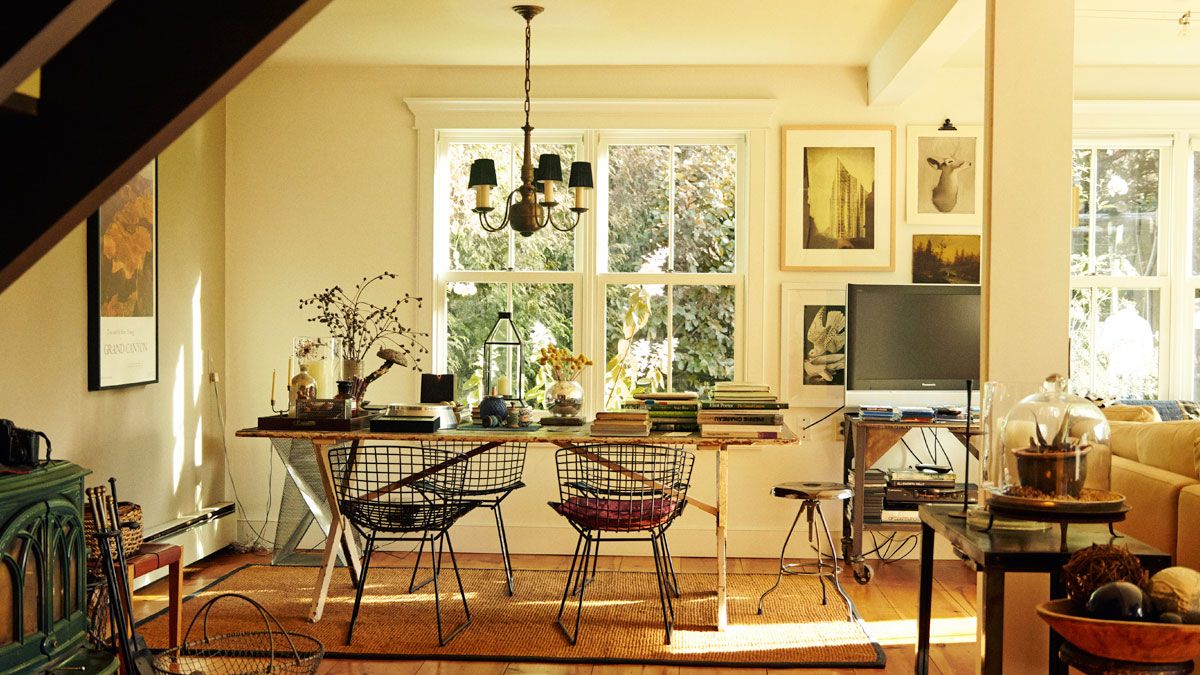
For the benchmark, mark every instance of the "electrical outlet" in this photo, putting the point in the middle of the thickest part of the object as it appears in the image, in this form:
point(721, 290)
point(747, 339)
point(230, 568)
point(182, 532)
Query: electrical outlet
point(802, 430)
point(214, 377)
point(839, 430)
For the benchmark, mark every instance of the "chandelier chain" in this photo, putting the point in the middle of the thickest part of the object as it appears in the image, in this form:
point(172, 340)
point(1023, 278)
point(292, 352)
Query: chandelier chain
point(528, 33)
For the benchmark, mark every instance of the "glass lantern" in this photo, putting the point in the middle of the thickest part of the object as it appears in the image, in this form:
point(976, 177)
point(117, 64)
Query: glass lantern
point(315, 356)
point(1047, 439)
point(504, 360)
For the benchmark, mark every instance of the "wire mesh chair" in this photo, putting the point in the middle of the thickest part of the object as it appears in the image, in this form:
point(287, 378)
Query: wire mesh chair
point(491, 476)
point(380, 490)
point(631, 492)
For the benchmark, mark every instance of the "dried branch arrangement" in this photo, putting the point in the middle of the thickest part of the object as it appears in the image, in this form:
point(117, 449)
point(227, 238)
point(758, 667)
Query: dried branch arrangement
point(361, 325)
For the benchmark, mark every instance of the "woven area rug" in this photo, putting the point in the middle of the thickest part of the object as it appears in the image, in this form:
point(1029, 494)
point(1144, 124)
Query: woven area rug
point(622, 622)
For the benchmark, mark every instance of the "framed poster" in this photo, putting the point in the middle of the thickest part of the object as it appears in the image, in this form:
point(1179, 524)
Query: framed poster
point(945, 258)
point(122, 268)
point(942, 181)
point(837, 198)
point(812, 356)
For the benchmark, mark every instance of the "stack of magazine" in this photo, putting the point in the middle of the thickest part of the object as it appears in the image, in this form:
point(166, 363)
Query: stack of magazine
point(741, 410)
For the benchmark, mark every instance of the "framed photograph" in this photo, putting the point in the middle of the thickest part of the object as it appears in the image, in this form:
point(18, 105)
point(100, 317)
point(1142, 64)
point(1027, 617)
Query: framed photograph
point(122, 268)
point(837, 202)
point(945, 258)
point(943, 181)
point(812, 356)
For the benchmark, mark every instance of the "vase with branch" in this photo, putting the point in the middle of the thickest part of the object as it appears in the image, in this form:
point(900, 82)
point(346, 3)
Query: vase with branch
point(360, 326)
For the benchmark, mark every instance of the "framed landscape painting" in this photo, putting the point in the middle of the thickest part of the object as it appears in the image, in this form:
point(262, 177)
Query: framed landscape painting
point(812, 355)
point(945, 258)
point(122, 268)
point(944, 168)
point(837, 198)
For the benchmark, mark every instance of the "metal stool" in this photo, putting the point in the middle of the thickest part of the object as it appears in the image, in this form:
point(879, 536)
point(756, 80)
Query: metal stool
point(811, 494)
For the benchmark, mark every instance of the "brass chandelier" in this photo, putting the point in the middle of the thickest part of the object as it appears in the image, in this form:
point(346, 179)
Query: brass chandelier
point(535, 209)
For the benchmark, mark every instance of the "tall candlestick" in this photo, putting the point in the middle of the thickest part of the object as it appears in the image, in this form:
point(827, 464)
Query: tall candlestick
point(272, 386)
point(289, 370)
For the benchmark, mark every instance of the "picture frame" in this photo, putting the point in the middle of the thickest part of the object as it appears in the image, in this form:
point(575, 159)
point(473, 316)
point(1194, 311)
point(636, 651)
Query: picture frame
point(837, 198)
point(946, 259)
point(810, 373)
point(122, 270)
point(948, 163)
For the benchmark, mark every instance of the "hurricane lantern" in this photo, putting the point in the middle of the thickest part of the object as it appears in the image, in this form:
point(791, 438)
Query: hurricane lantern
point(504, 360)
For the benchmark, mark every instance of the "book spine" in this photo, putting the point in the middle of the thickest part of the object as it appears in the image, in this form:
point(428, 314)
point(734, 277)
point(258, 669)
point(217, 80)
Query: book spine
point(710, 418)
point(709, 433)
point(674, 426)
point(743, 405)
point(664, 407)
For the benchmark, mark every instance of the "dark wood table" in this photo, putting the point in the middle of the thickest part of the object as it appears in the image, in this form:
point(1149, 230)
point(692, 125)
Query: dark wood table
point(998, 552)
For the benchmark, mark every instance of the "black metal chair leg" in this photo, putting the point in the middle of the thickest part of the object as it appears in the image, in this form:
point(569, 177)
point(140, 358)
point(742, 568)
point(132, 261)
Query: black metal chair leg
point(852, 613)
point(581, 577)
point(508, 570)
point(670, 562)
point(782, 554)
point(576, 570)
point(462, 593)
point(417, 566)
point(362, 584)
point(666, 573)
point(662, 589)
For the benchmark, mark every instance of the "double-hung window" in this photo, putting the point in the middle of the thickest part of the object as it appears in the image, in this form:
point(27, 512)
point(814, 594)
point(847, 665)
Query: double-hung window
point(1120, 267)
point(649, 286)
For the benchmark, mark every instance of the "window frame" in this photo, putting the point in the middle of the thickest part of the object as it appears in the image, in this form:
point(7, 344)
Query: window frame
point(590, 276)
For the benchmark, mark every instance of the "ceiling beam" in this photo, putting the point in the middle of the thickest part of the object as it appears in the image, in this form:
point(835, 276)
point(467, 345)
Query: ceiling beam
point(32, 32)
point(929, 34)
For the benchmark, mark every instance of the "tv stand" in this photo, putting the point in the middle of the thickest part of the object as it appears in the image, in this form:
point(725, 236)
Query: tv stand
point(866, 442)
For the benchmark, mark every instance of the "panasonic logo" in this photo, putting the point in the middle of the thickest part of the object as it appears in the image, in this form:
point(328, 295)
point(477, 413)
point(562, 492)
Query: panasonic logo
point(928, 384)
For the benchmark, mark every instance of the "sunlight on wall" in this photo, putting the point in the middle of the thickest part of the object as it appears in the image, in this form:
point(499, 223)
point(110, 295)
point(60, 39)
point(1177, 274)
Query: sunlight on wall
point(177, 420)
point(197, 350)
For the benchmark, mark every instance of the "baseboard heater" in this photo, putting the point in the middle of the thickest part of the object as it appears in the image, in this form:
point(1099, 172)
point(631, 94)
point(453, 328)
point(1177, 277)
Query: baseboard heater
point(174, 527)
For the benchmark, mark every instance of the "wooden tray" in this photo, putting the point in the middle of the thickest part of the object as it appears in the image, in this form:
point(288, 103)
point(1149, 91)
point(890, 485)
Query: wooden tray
point(285, 423)
point(1140, 641)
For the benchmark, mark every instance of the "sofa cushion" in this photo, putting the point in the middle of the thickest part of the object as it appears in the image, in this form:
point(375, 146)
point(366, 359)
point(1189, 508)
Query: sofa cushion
point(1153, 497)
point(1131, 413)
point(1172, 446)
point(1187, 548)
point(1123, 438)
point(1168, 410)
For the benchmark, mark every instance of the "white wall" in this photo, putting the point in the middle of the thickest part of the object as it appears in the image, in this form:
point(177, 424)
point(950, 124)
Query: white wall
point(322, 189)
point(161, 441)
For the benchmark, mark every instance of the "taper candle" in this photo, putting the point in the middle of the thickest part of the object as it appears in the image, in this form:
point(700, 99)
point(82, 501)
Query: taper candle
point(272, 386)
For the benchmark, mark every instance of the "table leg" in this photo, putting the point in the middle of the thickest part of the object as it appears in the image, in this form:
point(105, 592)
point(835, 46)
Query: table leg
point(924, 599)
point(1056, 666)
point(722, 523)
point(991, 646)
point(175, 602)
point(338, 534)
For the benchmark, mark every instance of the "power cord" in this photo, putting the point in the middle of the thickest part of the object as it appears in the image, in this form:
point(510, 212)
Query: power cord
point(827, 416)
point(260, 543)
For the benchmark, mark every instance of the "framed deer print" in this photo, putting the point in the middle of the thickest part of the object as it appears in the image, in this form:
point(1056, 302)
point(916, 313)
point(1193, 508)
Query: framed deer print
point(944, 171)
point(837, 204)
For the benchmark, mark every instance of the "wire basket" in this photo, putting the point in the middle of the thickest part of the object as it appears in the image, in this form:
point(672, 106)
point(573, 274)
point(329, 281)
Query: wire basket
point(273, 650)
point(131, 532)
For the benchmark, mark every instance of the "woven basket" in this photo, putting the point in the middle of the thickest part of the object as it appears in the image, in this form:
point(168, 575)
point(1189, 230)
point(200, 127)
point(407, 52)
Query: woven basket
point(131, 530)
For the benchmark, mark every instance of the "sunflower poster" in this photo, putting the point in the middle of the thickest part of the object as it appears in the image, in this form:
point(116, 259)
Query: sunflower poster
point(123, 285)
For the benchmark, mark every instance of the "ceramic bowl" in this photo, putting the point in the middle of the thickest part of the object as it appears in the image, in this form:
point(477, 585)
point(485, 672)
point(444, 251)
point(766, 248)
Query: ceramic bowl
point(1139, 641)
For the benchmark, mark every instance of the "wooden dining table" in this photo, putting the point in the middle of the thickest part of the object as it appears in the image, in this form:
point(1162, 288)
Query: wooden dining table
point(575, 438)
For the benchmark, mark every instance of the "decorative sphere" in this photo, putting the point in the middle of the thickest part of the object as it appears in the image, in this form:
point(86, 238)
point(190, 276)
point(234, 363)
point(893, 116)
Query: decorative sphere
point(1176, 589)
point(1118, 600)
point(493, 406)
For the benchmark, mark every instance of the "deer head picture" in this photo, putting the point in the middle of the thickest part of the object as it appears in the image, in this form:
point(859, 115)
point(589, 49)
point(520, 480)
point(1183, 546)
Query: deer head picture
point(943, 183)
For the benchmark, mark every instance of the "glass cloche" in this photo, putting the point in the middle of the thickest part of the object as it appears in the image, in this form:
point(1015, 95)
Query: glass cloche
point(1047, 439)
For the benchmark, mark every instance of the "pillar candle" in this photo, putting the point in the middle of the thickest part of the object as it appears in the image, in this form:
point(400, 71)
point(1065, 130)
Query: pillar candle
point(548, 191)
point(483, 196)
point(504, 386)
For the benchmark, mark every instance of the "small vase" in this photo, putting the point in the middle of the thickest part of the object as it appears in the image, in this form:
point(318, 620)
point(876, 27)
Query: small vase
point(564, 398)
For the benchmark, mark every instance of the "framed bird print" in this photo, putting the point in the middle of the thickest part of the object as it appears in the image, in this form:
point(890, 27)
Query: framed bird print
point(812, 343)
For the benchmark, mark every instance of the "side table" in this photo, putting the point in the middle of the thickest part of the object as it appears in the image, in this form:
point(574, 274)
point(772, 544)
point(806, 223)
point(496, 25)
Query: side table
point(998, 552)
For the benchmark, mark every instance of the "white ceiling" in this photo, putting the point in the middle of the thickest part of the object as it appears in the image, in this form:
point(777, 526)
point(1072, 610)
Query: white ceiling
point(597, 32)
point(694, 32)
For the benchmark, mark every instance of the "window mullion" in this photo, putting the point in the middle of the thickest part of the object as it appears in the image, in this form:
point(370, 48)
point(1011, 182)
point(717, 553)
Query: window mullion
point(671, 214)
point(670, 337)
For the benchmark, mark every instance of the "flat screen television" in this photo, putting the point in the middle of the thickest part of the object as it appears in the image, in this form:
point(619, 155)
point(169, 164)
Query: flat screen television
point(911, 339)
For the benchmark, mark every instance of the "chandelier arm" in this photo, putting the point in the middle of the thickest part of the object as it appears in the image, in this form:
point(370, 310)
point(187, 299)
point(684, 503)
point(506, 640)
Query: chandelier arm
point(486, 222)
point(563, 228)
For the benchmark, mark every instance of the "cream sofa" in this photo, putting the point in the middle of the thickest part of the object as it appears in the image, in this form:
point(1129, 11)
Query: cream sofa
point(1156, 465)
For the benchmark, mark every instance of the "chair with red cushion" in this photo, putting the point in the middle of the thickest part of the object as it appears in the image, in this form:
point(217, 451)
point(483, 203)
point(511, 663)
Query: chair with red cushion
point(630, 492)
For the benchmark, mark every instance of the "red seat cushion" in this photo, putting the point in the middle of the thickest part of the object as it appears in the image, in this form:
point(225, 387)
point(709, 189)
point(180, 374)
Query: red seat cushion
point(618, 515)
point(153, 556)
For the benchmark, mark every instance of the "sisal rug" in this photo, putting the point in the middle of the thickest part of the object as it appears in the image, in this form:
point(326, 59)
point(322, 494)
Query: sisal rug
point(622, 622)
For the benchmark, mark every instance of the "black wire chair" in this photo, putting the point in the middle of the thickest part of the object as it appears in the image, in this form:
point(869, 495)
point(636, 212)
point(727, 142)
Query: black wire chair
point(631, 492)
point(381, 491)
point(491, 476)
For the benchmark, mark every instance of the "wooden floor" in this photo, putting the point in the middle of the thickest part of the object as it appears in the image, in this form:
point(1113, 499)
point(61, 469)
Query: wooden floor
point(888, 605)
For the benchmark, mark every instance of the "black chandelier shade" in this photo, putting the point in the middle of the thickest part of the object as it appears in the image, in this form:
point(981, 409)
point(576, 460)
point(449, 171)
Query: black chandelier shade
point(483, 172)
point(581, 175)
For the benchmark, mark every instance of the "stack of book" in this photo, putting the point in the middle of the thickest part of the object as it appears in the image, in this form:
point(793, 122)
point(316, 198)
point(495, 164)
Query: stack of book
point(742, 392)
point(622, 423)
point(874, 488)
point(668, 412)
point(877, 412)
point(907, 489)
point(741, 411)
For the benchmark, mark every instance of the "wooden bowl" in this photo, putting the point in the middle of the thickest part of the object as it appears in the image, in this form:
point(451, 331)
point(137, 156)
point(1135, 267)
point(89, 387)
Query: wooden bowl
point(1141, 641)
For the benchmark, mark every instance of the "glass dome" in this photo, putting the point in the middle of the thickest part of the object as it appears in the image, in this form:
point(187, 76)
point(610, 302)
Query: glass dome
point(1047, 439)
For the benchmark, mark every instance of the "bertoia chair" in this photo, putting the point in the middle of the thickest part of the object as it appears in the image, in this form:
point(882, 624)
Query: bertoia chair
point(380, 492)
point(621, 493)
